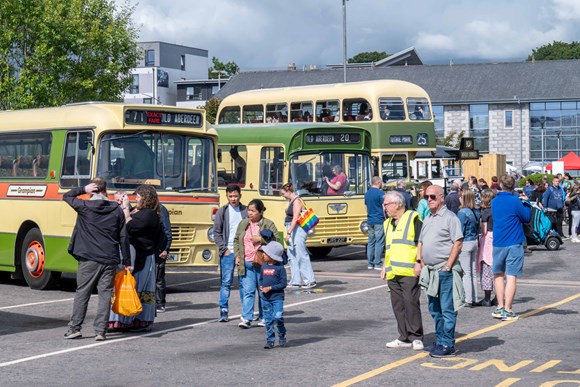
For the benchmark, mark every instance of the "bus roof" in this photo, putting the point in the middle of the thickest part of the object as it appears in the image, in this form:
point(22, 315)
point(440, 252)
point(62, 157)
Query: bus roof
point(284, 134)
point(371, 89)
point(85, 114)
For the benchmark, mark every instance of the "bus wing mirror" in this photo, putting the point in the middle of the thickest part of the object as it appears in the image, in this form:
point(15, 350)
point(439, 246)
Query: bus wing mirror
point(219, 155)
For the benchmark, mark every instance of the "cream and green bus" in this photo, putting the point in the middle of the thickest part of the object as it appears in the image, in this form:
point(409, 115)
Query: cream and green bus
point(46, 152)
point(396, 113)
point(262, 158)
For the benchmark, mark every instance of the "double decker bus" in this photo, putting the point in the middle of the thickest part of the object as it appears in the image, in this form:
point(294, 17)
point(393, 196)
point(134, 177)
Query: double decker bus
point(262, 158)
point(46, 152)
point(396, 113)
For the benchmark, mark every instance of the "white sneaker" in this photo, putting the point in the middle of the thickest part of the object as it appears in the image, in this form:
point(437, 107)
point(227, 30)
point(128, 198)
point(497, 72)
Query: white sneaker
point(398, 344)
point(417, 345)
point(575, 240)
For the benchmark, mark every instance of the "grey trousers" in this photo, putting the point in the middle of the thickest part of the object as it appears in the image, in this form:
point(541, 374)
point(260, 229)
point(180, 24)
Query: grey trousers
point(89, 275)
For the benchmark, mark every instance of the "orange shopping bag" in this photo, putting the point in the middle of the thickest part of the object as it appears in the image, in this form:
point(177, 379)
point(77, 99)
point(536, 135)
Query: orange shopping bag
point(126, 301)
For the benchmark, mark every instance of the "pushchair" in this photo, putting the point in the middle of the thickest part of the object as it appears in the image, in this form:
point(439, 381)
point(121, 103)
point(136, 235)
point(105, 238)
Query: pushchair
point(540, 230)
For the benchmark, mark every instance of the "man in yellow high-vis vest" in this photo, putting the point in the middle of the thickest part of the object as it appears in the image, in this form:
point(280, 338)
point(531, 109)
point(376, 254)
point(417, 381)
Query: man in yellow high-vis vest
point(402, 270)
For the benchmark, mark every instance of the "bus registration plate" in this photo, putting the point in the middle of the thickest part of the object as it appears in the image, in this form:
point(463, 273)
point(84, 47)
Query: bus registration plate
point(172, 258)
point(336, 240)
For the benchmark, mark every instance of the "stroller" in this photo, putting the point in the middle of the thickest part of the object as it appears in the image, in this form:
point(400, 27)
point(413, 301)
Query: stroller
point(540, 230)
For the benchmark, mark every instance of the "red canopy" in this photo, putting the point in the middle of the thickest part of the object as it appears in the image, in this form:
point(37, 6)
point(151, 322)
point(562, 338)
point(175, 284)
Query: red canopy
point(571, 162)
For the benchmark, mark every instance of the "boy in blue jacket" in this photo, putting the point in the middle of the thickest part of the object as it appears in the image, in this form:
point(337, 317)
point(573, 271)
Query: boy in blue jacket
point(272, 282)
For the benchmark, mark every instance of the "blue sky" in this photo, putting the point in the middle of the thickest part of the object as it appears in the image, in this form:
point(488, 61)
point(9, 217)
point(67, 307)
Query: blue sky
point(270, 34)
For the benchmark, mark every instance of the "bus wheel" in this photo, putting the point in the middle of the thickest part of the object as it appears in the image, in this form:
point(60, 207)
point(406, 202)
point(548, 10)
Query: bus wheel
point(320, 252)
point(32, 260)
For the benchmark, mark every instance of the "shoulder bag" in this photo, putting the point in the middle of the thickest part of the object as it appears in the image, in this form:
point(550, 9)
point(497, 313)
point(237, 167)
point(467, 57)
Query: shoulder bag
point(308, 218)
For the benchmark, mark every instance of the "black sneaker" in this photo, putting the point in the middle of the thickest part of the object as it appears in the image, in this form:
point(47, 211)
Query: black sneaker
point(161, 309)
point(223, 315)
point(430, 348)
point(245, 324)
point(269, 345)
point(73, 333)
point(282, 341)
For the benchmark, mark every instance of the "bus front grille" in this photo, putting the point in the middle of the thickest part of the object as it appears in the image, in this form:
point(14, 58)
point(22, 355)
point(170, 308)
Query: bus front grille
point(339, 226)
point(182, 233)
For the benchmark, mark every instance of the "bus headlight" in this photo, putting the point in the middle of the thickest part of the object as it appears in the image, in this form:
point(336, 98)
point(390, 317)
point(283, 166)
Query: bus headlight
point(364, 227)
point(210, 235)
point(206, 255)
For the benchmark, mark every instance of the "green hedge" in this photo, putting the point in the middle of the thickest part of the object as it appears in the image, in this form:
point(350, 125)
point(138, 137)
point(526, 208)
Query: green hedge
point(536, 178)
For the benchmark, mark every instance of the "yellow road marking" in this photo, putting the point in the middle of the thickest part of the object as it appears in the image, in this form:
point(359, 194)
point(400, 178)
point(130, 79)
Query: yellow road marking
point(398, 363)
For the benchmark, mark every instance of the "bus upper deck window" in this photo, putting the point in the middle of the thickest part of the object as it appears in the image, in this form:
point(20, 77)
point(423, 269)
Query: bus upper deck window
point(391, 109)
point(418, 109)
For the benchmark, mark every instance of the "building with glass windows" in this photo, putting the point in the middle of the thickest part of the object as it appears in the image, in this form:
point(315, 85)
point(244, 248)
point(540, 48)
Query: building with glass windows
point(161, 66)
point(529, 111)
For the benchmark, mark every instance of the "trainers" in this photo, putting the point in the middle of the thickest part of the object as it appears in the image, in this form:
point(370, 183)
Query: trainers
point(378, 268)
point(73, 333)
point(443, 351)
point(398, 344)
point(509, 316)
point(575, 240)
point(245, 324)
point(293, 286)
point(262, 323)
point(100, 337)
point(256, 318)
point(269, 345)
point(498, 313)
point(430, 348)
point(223, 315)
point(161, 309)
point(418, 345)
point(310, 285)
point(370, 267)
point(282, 341)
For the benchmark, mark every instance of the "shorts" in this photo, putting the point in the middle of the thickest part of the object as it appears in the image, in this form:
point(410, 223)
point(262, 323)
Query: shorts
point(508, 260)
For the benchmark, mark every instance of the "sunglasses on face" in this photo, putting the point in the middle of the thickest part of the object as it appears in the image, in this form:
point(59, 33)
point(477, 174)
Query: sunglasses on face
point(431, 197)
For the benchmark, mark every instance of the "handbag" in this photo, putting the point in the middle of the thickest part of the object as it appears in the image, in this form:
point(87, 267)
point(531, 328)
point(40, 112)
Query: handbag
point(126, 300)
point(308, 218)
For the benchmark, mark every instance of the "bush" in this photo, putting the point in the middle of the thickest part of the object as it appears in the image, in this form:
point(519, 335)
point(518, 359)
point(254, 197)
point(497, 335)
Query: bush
point(536, 178)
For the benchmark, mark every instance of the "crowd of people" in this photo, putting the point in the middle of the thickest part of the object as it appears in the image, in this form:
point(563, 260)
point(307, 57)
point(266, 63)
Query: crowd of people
point(423, 239)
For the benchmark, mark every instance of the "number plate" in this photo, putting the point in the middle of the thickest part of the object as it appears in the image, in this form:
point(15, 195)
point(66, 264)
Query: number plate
point(336, 240)
point(172, 258)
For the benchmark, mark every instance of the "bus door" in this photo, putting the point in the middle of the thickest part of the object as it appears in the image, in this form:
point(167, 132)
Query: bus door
point(394, 166)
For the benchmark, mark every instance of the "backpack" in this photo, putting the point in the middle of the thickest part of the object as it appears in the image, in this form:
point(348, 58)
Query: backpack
point(540, 225)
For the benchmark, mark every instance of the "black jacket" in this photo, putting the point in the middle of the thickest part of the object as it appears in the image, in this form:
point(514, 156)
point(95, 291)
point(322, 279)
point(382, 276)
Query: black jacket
point(146, 235)
point(100, 231)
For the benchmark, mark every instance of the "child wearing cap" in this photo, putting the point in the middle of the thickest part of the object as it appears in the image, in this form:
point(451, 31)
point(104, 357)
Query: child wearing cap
point(272, 282)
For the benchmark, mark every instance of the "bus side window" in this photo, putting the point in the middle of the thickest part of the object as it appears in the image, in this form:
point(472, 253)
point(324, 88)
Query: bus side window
point(77, 160)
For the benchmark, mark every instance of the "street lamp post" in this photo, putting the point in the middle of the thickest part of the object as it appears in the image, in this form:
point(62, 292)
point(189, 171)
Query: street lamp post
point(344, 37)
point(219, 73)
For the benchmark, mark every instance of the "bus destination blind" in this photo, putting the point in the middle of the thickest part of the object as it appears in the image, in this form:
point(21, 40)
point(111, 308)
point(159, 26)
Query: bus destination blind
point(163, 118)
point(327, 138)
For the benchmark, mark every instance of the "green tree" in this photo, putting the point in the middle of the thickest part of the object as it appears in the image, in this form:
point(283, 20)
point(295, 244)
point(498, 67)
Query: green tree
point(54, 52)
point(452, 139)
point(556, 50)
point(211, 108)
point(368, 57)
point(228, 69)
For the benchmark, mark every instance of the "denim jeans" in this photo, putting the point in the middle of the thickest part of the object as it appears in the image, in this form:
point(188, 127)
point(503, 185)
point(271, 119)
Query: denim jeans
point(376, 245)
point(227, 265)
point(299, 258)
point(442, 310)
point(249, 285)
point(274, 313)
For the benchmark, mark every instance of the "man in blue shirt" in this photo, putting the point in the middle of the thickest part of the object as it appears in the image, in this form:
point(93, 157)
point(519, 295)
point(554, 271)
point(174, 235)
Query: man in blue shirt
point(553, 200)
point(509, 215)
point(375, 219)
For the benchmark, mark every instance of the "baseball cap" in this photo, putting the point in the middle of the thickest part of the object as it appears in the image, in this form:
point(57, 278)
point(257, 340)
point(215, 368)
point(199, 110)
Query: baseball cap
point(274, 250)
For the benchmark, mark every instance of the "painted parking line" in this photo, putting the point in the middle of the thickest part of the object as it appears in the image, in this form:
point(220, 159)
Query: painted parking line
point(398, 363)
point(175, 329)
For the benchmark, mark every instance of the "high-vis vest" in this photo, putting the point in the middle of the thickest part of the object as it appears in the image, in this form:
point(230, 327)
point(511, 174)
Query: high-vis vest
point(401, 250)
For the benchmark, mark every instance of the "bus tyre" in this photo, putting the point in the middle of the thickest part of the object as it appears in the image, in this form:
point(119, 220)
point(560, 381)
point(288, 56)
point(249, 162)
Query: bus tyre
point(33, 260)
point(319, 252)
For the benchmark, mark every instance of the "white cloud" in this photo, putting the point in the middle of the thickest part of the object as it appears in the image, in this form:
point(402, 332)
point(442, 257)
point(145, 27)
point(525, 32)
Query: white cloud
point(266, 34)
